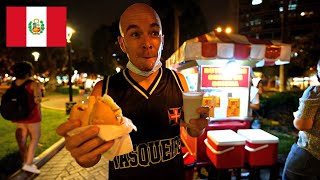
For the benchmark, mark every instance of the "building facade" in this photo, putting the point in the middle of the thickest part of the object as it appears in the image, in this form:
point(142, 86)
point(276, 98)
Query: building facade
point(270, 19)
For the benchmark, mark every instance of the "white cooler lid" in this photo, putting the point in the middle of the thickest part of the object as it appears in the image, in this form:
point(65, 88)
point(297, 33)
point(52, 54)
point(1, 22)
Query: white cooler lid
point(258, 136)
point(225, 137)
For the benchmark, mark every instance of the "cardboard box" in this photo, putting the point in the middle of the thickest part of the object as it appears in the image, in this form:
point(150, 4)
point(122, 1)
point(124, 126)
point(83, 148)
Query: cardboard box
point(225, 148)
point(261, 147)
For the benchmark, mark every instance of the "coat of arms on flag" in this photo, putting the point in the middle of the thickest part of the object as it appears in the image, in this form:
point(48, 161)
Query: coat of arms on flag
point(174, 115)
point(36, 26)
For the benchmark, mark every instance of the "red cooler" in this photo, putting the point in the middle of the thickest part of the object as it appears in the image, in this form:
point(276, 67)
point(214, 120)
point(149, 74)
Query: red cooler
point(261, 147)
point(225, 148)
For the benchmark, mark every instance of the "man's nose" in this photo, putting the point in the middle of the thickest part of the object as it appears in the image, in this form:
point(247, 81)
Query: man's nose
point(146, 44)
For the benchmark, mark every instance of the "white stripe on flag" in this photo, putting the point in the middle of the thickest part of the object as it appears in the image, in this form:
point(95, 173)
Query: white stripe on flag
point(36, 40)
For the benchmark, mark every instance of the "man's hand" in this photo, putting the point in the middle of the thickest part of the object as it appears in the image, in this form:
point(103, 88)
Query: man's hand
point(86, 147)
point(196, 127)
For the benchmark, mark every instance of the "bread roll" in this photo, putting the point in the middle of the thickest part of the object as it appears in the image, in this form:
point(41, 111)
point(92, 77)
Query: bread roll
point(82, 112)
point(100, 111)
point(102, 114)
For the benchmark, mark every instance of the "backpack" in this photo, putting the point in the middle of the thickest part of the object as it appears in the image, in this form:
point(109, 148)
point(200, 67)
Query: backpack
point(15, 102)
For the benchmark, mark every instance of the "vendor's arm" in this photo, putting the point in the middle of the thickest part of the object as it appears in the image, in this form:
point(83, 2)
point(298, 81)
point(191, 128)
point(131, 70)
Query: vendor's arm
point(255, 103)
point(196, 127)
point(255, 106)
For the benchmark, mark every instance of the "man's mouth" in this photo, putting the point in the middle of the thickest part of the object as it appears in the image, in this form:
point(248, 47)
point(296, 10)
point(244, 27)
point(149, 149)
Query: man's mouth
point(148, 54)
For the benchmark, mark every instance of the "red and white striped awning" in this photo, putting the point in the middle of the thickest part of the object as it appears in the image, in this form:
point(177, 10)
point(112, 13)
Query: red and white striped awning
point(222, 46)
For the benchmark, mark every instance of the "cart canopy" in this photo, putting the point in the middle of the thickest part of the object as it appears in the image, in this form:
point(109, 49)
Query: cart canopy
point(221, 46)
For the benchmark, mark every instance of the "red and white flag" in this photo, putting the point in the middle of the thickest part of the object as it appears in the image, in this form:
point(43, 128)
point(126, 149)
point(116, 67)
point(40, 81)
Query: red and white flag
point(36, 26)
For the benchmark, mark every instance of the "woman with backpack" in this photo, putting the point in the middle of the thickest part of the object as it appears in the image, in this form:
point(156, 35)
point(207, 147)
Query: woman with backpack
point(30, 126)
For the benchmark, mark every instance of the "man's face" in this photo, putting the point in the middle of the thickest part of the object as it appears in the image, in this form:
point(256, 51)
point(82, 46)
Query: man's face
point(142, 38)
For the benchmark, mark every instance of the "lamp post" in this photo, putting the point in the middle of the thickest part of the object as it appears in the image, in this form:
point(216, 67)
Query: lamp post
point(36, 57)
point(69, 104)
point(118, 69)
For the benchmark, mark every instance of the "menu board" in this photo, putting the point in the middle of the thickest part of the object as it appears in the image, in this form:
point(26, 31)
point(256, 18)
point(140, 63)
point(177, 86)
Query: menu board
point(229, 89)
point(215, 77)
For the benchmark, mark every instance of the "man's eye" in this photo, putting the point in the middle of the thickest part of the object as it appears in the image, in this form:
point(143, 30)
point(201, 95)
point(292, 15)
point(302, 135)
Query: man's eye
point(155, 33)
point(135, 35)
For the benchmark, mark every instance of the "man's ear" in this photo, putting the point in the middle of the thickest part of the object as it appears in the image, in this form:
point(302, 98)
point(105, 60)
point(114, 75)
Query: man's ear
point(162, 40)
point(121, 43)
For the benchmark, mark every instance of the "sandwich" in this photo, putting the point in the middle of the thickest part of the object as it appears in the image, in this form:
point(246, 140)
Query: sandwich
point(99, 111)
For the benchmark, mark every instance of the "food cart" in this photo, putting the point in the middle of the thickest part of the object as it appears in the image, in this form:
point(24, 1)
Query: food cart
point(220, 65)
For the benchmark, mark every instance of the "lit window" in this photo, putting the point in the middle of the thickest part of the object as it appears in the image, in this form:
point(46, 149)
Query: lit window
point(256, 2)
point(302, 14)
point(292, 7)
point(280, 9)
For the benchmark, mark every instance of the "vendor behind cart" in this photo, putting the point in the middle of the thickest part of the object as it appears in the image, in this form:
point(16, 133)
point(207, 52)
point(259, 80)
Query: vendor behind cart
point(254, 97)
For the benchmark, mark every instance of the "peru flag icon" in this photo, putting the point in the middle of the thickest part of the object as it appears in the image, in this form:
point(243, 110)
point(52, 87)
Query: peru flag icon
point(36, 26)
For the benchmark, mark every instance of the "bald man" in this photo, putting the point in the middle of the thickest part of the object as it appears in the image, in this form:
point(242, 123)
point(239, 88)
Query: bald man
point(148, 94)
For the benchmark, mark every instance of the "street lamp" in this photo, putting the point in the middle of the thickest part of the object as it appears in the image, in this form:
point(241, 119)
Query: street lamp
point(118, 69)
point(36, 57)
point(69, 104)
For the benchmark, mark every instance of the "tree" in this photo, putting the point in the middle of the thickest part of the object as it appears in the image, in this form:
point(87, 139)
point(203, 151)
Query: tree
point(306, 53)
point(102, 44)
point(192, 21)
point(55, 61)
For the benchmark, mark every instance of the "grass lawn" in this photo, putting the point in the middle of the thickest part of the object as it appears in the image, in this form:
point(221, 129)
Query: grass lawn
point(286, 137)
point(285, 142)
point(10, 160)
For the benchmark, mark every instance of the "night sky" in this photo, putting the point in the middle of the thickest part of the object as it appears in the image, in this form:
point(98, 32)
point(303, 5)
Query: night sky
point(86, 16)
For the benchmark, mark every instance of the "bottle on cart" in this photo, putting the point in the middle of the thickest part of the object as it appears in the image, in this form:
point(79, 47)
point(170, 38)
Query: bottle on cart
point(256, 124)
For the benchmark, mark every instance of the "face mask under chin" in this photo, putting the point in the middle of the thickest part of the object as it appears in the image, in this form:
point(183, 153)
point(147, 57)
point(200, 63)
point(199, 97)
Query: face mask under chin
point(136, 70)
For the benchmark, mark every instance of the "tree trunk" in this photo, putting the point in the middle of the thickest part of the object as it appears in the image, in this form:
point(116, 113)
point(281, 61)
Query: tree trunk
point(51, 86)
point(284, 38)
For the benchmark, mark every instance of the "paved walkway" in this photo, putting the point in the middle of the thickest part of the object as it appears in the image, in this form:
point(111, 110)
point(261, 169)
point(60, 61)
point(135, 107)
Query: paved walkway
point(62, 165)
point(58, 102)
